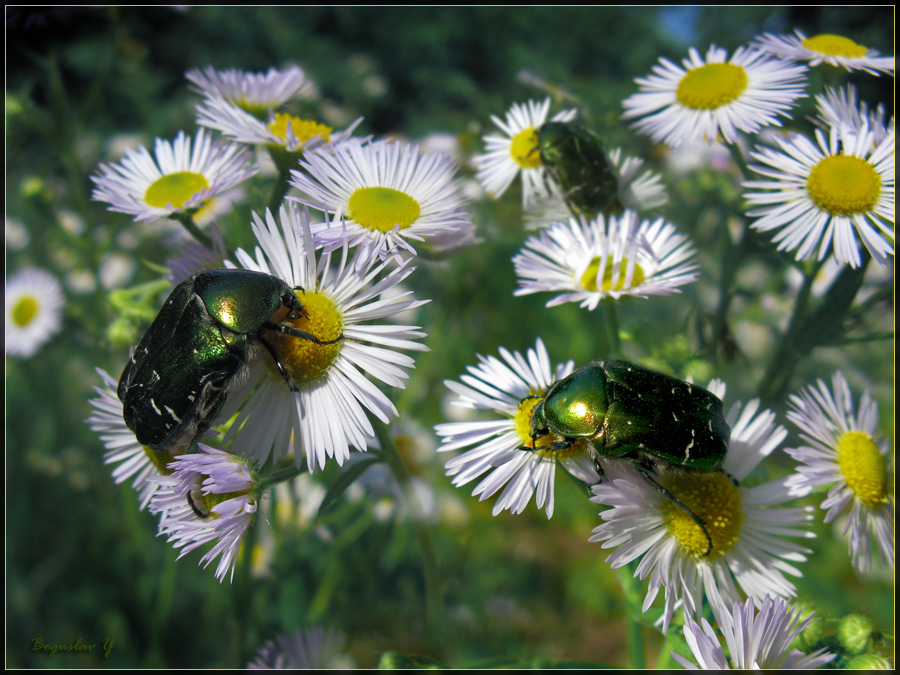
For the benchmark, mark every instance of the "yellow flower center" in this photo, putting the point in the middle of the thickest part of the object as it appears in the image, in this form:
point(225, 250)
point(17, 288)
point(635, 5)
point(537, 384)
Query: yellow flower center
point(25, 310)
point(175, 189)
point(160, 460)
point(305, 360)
point(303, 129)
point(834, 45)
point(589, 278)
point(863, 467)
point(524, 149)
point(711, 86)
point(715, 499)
point(844, 185)
point(382, 208)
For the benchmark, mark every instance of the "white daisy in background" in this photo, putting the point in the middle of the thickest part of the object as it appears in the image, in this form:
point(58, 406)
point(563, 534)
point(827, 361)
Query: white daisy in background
point(748, 549)
point(715, 97)
point(756, 639)
point(181, 179)
point(843, 452)
point(279, 131)
point(586, 260)
point(510, 388)
point(257, 93)
point(517, 152)
point(834, 50)
point(836, 191)
point(388, 194)
point(839, 108)
point(312, 647)
point(210, 496)
point(34, 305)
point(133, 459)
point(637, 190)
point(327, 413)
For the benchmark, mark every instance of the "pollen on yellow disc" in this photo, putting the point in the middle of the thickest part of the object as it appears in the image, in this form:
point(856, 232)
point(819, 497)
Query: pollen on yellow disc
point(589, 278)
point(834, 45)
point(302, 129)
point(711, 86)
point(305, 360)
point(844, 185)
point(175, 189)
point(25, 310)
point(711, 496)
point(524, 149)
point(383, 208)
point(863, 467)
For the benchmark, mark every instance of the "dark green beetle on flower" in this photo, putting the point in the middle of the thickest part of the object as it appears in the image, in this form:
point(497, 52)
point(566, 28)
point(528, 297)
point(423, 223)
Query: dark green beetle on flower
point(575, 160)
point(197, 350)
point(623, 411)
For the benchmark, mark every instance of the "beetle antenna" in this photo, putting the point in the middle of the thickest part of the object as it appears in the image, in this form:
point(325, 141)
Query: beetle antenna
point(647, 474)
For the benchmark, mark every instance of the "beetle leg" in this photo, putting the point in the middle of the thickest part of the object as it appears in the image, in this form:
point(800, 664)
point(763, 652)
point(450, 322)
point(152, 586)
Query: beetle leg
point(190, 501)
point(278, 364)
point(647, 474)
point(296, 332)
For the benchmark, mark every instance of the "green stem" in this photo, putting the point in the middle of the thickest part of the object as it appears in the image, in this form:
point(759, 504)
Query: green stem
point(636, 644)
point(783, 358)
point(612, 325)
point(281, 475)
point(279, 190)
point(187, 220)
point(423, 535)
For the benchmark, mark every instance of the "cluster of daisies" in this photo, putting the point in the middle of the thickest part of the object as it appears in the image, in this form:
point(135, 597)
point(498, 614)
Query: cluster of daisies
point(383, 203)
point(379, 201)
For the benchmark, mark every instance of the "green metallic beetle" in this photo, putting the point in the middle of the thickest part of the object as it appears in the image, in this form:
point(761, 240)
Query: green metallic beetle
point(197, 349)
point(575, 160)
point(624, 411)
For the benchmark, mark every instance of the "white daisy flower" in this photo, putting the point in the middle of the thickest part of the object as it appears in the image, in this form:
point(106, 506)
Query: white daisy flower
point(587, 260)
point(327, 412)
point(307, 648)
point(210, 496)
point(637, 190)
point(834, 50)
point(280, 131)
point(181, 179)
point(34, 304)
point(839, 108)
point(836, 191)
point(257, 93)
point(133, 459)
point(194, 257)
point(716, 97)
point(388, 194)
point(517, 152)
point(748, 551)
point(756, 640)
point(844, 454)
point(510, 388)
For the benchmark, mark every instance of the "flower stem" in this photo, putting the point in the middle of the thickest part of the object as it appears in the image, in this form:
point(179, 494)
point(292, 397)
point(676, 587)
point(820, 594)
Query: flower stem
point(612, 326)
point(187, 220)
point(636, 648)
point(423, 535)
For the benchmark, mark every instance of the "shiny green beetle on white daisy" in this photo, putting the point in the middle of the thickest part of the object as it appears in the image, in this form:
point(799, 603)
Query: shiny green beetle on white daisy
point(198, 348)
point(624, 411)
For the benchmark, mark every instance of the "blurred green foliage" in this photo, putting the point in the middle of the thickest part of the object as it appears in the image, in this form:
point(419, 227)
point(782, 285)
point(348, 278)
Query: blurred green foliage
point(82, 562)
